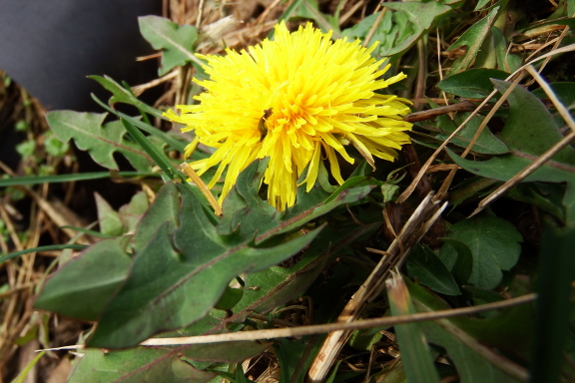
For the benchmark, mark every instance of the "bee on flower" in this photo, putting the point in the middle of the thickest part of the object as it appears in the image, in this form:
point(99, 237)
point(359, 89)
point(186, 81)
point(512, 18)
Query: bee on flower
point(298, 100)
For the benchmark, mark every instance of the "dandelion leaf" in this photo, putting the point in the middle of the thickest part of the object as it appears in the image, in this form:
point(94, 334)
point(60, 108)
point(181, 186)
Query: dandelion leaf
point(399, 30)
point(182, 270)
point(472, 83)
point(159, 364)
point(87, 280)
point(100, 141)
point(424, 265)
point(472, 38)
point(176, 42)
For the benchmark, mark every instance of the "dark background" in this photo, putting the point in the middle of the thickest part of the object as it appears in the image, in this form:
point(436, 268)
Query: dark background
point(49, 47)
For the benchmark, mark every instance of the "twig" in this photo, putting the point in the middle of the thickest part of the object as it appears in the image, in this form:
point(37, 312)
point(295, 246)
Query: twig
point(374, 27)
point(329, 327)
point(200, 14)
point(139, 89)
point(464, 106)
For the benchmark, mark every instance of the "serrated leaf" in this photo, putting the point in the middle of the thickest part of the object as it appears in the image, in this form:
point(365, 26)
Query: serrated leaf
point(422, 15)
point(529, 132)
point(399, 30)
point(167, 290)
point(464, 338)
point(175, 41)
point(494, 245)
point(472, 38)
point(123, 95)
point(100, 141)
point(424, 265)
point(158, 364)
point(76, 293)
point(472, 83)
point(246, 212)
point(174, 284)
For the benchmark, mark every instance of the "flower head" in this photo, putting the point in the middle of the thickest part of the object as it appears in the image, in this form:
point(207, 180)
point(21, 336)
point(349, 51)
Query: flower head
point(297, 99)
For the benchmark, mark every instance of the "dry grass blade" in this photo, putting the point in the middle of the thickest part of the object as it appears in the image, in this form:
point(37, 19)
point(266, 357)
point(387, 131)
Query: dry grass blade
point(186, 168)
point(414, 229)
point(324, 328)
point(545, 156)
point(558, 104)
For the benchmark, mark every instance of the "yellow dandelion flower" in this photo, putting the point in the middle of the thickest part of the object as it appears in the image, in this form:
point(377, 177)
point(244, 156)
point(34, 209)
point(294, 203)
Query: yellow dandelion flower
point(297, 99)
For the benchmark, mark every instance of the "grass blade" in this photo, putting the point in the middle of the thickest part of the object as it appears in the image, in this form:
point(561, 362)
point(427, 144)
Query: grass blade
point(15, 254)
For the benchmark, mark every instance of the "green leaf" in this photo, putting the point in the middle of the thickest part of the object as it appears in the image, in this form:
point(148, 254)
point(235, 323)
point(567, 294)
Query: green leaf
point(54, 146)
point(152, 130)
point(161, 292)
point(159, 364)
point(131, 213)
point(230, 297)
point(176, 42)
point(84, 285)
point(557, 272)
point(424, 265)
point(565, 92)
point(467, 340)
point(108, 218)
point(415, 353)
point(400, 30)
point(546, 196)
point(100, 141)
point(505, 61)
point(486, 143)
point(21, 378)
point(421, 15)
point(528, 132)
point(494, 245)
point(472, 83)
point(481, 4)
point(365, 339)
point(123, 95)
point(164, 209)
point(15, 254)
point(472, 38)
point(460, 261)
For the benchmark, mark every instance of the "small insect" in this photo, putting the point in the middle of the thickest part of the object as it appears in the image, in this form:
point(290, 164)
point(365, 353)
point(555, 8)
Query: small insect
point(262, 123)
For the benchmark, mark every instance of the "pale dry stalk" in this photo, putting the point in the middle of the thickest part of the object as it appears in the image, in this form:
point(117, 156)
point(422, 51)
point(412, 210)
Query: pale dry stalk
point(414, 229)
